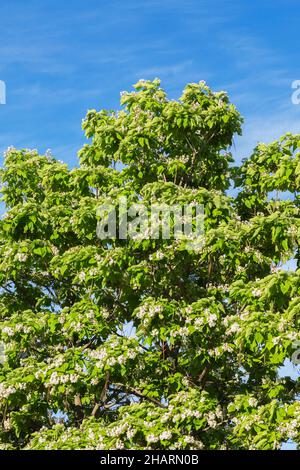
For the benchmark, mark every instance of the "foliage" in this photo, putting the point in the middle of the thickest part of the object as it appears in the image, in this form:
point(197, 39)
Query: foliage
point(146, 343)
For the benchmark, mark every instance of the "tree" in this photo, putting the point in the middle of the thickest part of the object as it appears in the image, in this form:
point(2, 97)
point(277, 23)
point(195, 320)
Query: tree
point(147, 343)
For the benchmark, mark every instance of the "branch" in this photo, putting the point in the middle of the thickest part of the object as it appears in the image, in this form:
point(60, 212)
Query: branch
point(203, 374)
point(133, 391)
point(102, 395)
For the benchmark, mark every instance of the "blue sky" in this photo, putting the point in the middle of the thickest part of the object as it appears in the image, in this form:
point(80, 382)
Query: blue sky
point(59, 59)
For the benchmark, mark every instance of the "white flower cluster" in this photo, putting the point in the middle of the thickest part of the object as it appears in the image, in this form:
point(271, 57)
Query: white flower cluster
point(276, 340)
point(274, 268)
point(19, 328)
point(207, 317)
point(9, 149)
point(157, 256)
point(118, 430)
point(257, 292)
point(181, 332)
point(130, 433)
point(113, 353)
point(56, 379)
point(244, 421)
point(90, 315)
point(93, 272)
point(292, 231)
point(7, 424)
point(234, 328)
point(22, 257)
point(7, 330)
point(54, 362)
point(151, 438)
point(101, 356)
point(219, 350)
point(290, 429)
point(105, 312)
point(292, 335)
point(240, 269)
point(6, 391)
point(76, 325)
point(211, 318)
point(252, 402)
point(165, 435)
point(147, 312)
point(187, 413)
point(191, 440)
point(211, 420)
point(52, 377)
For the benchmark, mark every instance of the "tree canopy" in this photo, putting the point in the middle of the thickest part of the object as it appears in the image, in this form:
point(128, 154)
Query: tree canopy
point(145, 343)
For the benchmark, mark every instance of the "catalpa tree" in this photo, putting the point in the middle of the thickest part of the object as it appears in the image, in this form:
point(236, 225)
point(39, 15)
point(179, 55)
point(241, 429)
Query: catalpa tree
point(144, 343)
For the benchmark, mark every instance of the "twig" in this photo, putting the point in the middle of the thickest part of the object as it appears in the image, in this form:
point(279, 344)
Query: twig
point(140, 395)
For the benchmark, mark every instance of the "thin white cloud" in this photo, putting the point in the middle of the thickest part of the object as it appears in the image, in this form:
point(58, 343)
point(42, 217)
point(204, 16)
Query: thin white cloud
point(265, 129)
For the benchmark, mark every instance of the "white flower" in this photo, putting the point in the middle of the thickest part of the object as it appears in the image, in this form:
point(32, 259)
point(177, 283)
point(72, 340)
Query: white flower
point(211, 420)
point(256, 292)
point(99, 354)
point(234, 328)
point(292, 230)
point(73, 378)
point(159, 255)
point(189, 440)
point(292, 335)
point(6, 391)
point(8, 150)
point(22, 257)
point(54, 250)
point(212, 318)
point(131, 354)
point(119, 445)
point(90, 314)
point(54, 379)
point(184, 331)
point(105, 313)
point(8, 331)
point(130, 433)
point(93, 272)
point(252, 402)
point(276, 340)
point(152, 438)
point(198, 321)
point(282, 325)
point(165, 435)
point(147, 424)
point(274, 269)
point(226, 347)
point(111, 361)
point(7, 424)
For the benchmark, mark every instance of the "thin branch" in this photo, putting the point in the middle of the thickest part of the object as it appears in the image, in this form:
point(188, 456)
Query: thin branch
point(133, 391)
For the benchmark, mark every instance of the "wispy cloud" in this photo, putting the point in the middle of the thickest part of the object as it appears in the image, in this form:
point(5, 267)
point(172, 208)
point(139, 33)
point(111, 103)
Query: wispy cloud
point(60, 59)
point(266, 129)
point(162, 71)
